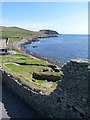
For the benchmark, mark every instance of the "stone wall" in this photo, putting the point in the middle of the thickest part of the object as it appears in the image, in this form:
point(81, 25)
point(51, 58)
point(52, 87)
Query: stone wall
point(75, 86)
point(42, 76)
point(69, 100)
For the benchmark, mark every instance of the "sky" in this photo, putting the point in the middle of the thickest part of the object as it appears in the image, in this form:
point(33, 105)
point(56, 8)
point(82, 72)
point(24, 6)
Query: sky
point(64, 17)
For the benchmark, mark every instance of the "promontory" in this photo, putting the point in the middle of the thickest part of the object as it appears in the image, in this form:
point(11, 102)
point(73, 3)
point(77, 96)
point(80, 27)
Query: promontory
point(50, 32)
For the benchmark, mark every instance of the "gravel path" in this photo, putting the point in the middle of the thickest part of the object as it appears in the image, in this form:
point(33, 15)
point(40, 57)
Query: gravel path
point(18, 44)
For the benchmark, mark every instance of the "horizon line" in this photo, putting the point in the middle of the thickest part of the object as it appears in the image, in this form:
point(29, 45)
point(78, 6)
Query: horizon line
point(42, 29)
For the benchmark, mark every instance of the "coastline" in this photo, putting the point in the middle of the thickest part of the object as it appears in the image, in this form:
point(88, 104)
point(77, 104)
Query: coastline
point(21, 46)
point(70, 89)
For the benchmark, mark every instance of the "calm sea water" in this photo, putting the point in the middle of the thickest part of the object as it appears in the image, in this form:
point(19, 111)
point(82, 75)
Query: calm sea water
point(62, 48)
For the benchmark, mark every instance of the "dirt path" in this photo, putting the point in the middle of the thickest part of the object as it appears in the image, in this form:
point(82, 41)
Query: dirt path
point(18, 44)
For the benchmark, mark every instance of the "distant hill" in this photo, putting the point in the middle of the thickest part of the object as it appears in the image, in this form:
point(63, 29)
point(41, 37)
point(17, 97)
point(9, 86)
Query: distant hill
point(49, 32)
point(18, 32)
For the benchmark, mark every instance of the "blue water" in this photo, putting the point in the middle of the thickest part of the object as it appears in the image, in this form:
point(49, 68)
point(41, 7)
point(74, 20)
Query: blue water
point(62, 48)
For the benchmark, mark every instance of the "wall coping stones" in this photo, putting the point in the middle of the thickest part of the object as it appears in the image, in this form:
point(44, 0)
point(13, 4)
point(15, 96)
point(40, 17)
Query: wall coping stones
point(80, 60)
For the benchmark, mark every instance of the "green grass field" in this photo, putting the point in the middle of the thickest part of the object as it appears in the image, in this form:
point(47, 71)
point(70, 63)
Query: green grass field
point(15, 33)
point(13, 64)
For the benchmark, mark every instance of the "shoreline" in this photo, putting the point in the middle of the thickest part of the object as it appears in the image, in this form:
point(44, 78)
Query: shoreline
point(22, 48)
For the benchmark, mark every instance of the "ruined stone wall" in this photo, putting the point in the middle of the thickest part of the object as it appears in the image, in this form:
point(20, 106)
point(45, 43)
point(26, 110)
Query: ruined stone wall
point(69, 100)
point(75, 87)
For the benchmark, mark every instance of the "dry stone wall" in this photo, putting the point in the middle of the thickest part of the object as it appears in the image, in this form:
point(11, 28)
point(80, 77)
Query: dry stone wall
point(69, 100)
point(75, 85)
point(47, 77)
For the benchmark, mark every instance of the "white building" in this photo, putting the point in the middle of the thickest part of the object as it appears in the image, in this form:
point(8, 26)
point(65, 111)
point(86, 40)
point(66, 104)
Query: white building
point(3, 45)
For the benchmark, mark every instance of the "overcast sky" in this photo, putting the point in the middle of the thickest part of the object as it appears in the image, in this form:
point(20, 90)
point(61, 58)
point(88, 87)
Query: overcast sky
point(64, 17)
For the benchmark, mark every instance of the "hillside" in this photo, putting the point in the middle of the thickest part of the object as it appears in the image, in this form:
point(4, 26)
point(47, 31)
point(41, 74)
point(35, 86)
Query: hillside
point(13, 34)
point(18, 32)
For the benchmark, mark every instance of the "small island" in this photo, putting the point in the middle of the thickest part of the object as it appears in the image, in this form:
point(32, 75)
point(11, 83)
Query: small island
point(49, 32)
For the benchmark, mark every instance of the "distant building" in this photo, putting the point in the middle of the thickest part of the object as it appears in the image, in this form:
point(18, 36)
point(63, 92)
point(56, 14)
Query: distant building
point(3, 45)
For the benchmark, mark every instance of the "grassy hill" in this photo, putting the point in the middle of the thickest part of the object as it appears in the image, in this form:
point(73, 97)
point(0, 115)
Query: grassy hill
point(15, 32)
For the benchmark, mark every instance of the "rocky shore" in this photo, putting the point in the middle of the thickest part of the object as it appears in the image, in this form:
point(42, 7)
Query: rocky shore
point(21, 45)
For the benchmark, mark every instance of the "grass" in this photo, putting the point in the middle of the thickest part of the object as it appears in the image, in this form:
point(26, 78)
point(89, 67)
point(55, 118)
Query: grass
point(20, 65)
point(22, 58)
point(59, 74)
point(24, 72)
point(1, 53)
point(25, 75)
point(40, 81)
point(30, 61)
point(19, 54)
point(54, 86)
point(13, 39)
point(15, 33)
point(28, 82)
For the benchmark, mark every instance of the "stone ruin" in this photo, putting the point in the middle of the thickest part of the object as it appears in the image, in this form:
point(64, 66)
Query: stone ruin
point(69, 100)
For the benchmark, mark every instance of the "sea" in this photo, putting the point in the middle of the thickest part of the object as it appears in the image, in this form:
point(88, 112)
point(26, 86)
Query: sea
point(62, 48)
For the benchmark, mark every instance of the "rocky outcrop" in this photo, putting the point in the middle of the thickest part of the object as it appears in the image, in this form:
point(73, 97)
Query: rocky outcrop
point(49, 32)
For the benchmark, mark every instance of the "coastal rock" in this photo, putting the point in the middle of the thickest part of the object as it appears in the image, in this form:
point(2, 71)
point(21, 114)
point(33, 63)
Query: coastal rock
point(49, 32)
point(34, 46)
point(35, 40)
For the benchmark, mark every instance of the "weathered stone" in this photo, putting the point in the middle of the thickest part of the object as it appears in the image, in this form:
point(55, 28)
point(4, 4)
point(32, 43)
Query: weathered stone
point(47, 77)
point(69, 100)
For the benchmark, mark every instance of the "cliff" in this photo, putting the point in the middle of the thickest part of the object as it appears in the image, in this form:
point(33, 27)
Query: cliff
point(49, 32)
